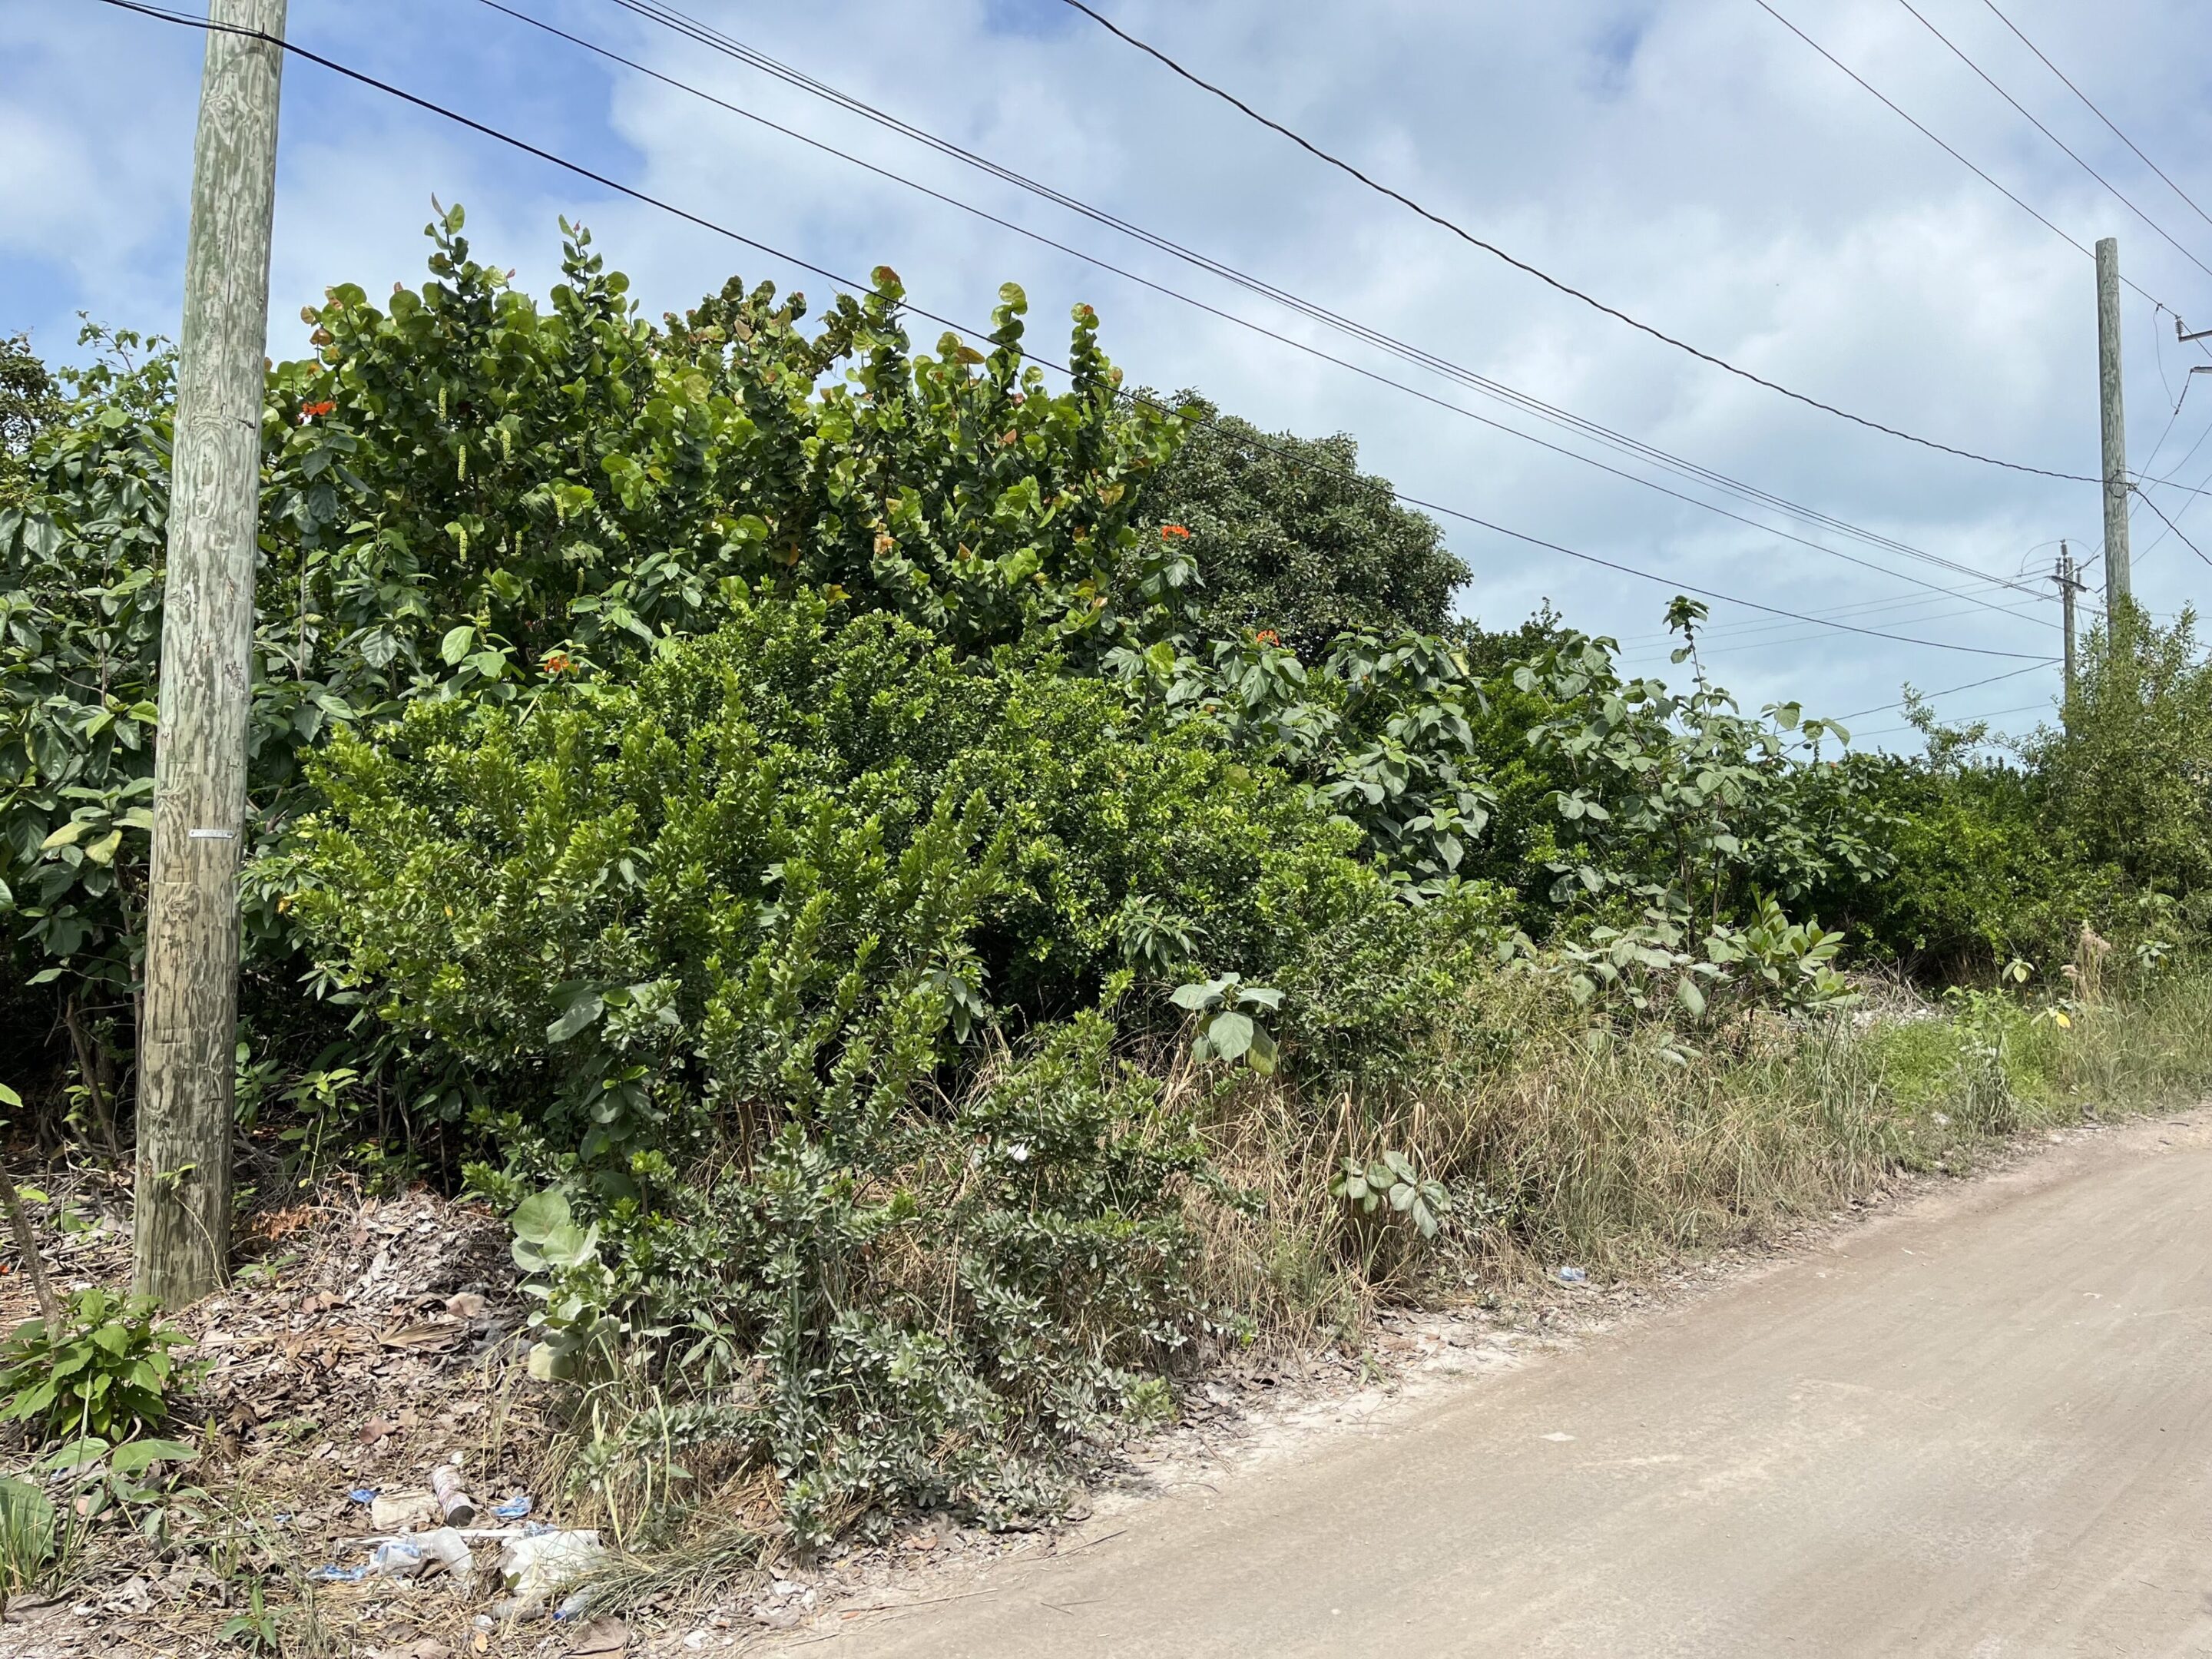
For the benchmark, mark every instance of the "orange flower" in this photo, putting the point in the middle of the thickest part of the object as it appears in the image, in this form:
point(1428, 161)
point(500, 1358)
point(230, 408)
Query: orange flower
point(1176, 530)
point(556, 662)
point(311, 410)
point(1268, 636)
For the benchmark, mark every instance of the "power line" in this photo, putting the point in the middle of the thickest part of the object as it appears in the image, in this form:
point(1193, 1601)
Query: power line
point(1900, 112)
point(668, 17)
point(1362, 331)
point(2098, 113)
point(1735, 645)
point(1731, 632)
point(2181, 512)
point(1572, 291)
point(2055, 139)
point(2145, 499)
point(1994, 713)
point(1860, 609)
point(645, 197)
point(1953, 691)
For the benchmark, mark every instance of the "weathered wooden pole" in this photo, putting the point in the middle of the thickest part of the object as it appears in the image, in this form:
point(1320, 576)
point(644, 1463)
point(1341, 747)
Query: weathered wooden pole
point(2111, 421)
point(181, 1237)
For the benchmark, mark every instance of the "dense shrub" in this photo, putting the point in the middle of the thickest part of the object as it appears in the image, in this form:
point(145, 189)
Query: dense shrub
point(920, 1309)
point(1296, 540)
point(786, 863)
point(2128, 776)
point(468, 496)
point(1975, 875)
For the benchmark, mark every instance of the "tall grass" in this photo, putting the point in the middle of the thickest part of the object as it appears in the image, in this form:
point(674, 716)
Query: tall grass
point(1624, 1151)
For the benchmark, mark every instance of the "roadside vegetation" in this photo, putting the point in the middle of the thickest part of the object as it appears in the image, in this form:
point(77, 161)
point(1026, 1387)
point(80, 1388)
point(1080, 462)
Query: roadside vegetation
point(935, 903)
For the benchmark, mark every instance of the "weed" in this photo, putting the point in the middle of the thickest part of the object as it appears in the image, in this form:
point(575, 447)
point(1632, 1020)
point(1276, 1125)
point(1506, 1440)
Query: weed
point(28, 1538)
point(104, 1371)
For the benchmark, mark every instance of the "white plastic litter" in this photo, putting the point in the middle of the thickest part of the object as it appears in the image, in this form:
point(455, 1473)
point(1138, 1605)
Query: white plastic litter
point(412, 1556)
point(534, 1570)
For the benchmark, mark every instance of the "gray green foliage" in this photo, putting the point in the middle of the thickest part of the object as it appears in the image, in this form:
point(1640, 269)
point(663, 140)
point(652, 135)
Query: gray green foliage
point(1295, 540)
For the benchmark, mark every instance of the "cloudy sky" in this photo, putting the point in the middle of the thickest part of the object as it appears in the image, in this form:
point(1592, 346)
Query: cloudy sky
point(1690, 161)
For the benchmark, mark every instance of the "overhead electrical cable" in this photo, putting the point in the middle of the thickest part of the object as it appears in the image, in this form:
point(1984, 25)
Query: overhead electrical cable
point(2145, 499)
point(646, 198)
point(1568, 288)
point(1857, 612)
point(2098, 113)
point(1691, 470)
point(1990, 714)
point(2181, 512)
point(703, 34)
point(1737, 641)
point(1971, 685)
point(2114, 189)
point(1898, 110)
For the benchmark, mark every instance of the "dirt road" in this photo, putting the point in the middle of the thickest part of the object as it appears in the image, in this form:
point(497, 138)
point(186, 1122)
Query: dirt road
point(1982, 1427)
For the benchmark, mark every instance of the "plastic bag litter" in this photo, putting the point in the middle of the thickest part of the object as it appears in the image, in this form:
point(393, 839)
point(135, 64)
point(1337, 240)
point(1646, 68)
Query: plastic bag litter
point(533, 1569)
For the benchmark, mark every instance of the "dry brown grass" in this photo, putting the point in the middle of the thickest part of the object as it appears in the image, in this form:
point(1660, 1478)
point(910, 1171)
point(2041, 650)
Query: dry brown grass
point(1623, 1154)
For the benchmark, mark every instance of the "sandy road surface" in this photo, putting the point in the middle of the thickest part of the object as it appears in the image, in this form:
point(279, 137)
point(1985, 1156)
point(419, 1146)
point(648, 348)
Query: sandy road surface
point(1982, 1427)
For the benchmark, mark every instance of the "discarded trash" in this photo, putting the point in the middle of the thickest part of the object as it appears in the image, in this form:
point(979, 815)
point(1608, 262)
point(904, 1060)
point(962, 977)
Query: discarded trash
point(1573, 1276)
point(410, 1557)
point(402, 1511)
point(453, 1500)
point(451, 1552)
point(395, 1558)
point(512, 1509)
point(340, 1575)
point(599, 1635)
point(533, 1568)
point(363, 1494)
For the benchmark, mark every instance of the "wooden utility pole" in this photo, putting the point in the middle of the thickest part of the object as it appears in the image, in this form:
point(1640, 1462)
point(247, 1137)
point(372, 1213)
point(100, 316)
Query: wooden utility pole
point(2068, 585)
point(181, 1237)
point(2118, 587)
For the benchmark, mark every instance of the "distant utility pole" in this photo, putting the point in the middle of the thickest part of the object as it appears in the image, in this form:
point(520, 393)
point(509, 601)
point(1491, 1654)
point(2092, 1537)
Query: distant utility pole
point(2118, 587)
point(2069, 584)
point(181, 1237)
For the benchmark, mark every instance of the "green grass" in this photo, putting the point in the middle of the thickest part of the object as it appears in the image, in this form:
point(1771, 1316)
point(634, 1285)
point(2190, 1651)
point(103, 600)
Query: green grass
point(1638, 1151)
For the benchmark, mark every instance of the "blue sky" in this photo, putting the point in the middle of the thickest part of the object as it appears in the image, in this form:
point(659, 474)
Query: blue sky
point(1690, 161)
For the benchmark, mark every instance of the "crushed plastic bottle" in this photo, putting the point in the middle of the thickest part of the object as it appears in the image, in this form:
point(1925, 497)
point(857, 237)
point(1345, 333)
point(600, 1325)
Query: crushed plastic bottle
point(410, 1557)
point(1573, 1276)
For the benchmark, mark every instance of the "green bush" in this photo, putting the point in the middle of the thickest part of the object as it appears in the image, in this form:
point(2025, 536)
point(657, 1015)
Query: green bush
point(910, 1310)
point(469, 495)
point(780, 873)
point(105, 1373)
